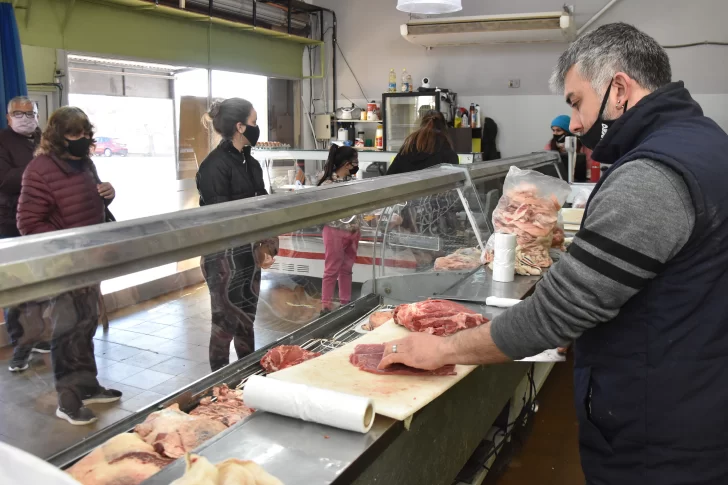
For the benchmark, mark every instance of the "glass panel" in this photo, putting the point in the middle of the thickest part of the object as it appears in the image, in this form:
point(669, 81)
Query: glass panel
point(403, 115)
point(190, 92)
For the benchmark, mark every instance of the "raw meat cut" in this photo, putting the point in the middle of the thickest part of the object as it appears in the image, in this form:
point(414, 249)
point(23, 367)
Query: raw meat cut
point(278, 358)
point(225, 405)
point(378, 319)
point(124, 459)
point(438, 317)
point(462, 259)
point(230, 472)
point(173, 433)
point(368, 356)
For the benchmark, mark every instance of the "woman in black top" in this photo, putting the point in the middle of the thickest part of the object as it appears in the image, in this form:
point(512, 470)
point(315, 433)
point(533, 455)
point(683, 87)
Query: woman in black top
point(230, 173)
point(430, 145)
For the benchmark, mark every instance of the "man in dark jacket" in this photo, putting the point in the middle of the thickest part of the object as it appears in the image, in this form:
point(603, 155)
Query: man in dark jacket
point(643, 287)
point(17, 144)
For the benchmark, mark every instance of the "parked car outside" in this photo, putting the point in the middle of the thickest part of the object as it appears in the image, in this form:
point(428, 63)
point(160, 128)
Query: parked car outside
point(110, 146)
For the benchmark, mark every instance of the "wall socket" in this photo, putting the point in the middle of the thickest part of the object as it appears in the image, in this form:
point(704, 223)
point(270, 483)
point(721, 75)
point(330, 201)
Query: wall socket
point(514, 83)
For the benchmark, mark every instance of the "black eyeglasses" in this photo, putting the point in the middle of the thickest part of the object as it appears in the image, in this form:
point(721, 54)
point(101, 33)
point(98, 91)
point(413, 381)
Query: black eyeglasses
point(19, 114)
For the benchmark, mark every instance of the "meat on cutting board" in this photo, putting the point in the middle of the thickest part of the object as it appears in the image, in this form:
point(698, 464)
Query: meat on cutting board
point(368, 356)
point(225, 405)
point(124, 459)
point(278, 358)
point(377, 319)
point(173, 432)
point(438, 317)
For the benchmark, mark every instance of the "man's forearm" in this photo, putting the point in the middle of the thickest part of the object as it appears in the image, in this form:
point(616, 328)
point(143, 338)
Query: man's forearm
point(473, 346)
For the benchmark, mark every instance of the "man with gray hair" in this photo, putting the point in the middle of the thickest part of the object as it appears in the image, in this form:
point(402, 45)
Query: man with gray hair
point(17, 145)
point(643, 288)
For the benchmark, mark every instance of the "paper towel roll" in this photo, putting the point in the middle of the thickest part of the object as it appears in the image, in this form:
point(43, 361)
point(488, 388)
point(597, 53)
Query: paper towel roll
point(353, 413)
point(501, 302)
point(504, 257)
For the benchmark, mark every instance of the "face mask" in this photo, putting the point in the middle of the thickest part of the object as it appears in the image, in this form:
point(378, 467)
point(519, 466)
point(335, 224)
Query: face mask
point(353, 170)
point(79, 148)
point(252, 133)
point(559, 139)
point(24, 126)
point(594, 135)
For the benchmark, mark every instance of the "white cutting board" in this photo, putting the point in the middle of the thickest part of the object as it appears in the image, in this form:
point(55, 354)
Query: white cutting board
point(397, 397)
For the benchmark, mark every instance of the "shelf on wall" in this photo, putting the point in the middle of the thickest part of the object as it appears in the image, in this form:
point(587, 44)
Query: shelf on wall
point(358, 121)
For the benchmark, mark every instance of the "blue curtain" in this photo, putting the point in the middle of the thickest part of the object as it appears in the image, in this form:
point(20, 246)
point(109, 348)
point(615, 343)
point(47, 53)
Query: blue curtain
point(12, 72)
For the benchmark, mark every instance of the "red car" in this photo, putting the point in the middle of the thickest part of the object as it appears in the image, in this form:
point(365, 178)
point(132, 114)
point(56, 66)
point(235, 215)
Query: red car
point(110, 146)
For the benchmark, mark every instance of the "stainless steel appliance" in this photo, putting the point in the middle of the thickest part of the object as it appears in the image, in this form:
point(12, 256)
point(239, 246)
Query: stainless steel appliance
point(402, 112)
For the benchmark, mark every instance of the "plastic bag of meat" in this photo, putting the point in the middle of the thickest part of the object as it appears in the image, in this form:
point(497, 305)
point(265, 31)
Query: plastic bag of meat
point(529, 208)
point(462, 259)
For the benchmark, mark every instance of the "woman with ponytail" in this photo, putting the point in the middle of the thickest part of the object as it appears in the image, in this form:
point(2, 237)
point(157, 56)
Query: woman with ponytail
point(231, 173)
point(430, 145)
point(341, 238)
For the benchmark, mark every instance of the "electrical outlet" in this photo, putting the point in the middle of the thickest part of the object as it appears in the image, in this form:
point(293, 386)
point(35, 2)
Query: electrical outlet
point(514, 83)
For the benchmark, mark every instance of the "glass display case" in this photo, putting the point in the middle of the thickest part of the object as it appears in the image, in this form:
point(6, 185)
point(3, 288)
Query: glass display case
point(293, 268)
point(402, 112)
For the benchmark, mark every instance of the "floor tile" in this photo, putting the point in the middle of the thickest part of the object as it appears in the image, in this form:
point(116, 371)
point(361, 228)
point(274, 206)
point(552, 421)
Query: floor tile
point(172, 385)
point(171, 348)
point(117, 336)
point(146, 359)
point(171, 332)
point(120, 371)
point(140, 401)
point(125, 323)
point(193, 352)
point(102, 362)
point(148, 328)
point(116, 352)
point(166, 319)
point(202, 370)
point(175, 366)
point(147, 342)
point(147, 379)
point(196, 337)
point(127, 391)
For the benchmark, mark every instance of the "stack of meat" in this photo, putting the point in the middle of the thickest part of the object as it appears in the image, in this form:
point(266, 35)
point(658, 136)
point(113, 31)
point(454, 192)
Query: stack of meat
point(377, 319)
point(462, 259)
point(529, 209)
point(131, 458)
point(230, 472)
point(368, 356)
point(437, 317)
point(278, 358)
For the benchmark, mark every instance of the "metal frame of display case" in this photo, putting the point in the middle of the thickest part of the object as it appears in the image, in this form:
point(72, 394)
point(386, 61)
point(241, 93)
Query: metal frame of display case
point(438, 107)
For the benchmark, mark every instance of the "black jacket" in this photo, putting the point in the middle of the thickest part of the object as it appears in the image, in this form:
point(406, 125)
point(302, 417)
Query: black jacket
point(419, 161)
point(16, 152)
point(226, 174)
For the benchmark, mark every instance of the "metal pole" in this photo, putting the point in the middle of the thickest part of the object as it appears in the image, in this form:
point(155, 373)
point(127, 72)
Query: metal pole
point(570, 145)
point(334, 40)
point(209, 8)
point(290, 9)
point(255, 13)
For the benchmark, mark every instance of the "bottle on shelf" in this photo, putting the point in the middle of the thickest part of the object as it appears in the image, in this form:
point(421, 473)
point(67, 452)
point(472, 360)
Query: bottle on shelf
point(392, 81)
point(478, 118)
point(471, 116)
point(405, 85)
point(409, 82)
point(379, 138)
point(465, 123)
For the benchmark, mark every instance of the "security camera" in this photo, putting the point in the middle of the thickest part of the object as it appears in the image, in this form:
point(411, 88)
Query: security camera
point(425, 82)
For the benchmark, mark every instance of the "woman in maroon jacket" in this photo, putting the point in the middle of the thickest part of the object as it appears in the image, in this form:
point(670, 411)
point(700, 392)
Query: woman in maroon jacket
point(61, 190)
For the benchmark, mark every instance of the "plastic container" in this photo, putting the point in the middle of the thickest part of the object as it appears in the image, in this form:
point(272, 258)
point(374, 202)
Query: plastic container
point(392, 81)
point(405, 84)
point(478, 117)
point(409, 82)
point(379, 138)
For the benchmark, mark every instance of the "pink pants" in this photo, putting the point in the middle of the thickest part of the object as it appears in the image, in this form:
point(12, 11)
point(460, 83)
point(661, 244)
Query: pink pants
point(340, 248)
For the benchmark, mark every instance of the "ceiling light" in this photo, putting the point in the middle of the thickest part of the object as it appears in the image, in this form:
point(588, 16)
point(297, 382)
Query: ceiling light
point(429, 6)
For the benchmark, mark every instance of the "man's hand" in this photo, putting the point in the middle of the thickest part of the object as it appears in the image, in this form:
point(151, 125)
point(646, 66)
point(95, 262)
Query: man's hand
point(263, 257)
point(106, 190)
point(419, 350)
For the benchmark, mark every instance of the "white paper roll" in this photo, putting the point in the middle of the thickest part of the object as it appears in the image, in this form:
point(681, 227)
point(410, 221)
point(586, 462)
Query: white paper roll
point(504, 257)
point(501, 302)
point(353, 413)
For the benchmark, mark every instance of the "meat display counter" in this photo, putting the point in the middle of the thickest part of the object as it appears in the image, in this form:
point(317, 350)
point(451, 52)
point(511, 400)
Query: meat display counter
point(429, 447)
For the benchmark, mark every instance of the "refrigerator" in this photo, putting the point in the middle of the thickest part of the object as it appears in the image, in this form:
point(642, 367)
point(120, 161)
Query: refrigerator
point(402, 112)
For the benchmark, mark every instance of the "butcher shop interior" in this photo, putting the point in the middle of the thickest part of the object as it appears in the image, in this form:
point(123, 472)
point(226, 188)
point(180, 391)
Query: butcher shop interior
point(394, 168)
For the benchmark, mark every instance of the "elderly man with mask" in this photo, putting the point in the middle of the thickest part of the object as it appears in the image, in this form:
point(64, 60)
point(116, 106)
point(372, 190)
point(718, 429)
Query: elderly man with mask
point(17, 144)
point(644, 287)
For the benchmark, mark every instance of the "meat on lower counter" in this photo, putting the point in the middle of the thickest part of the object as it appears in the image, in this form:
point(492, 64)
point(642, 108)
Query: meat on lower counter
point(437, 317)
point(173, 432)
point(229, 472)
point(225, 405)
point(377, 319)
point(368, 356)
point(462, 259)
point(124, 459)
point(283, 356)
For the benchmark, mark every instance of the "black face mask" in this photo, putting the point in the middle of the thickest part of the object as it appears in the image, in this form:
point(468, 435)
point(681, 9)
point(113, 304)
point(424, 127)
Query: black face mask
point(79, 148)
point(559, 139)
point(353, 170)
point(252, 133)
point(594, 135)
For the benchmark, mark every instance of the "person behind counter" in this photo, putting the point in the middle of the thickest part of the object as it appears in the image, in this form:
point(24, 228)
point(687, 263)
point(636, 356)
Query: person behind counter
point(559, 131)
point(643, 291)
point(17, 144)
point(341, 238)
point(428, 146)
point(61, 189)
point(230, 173)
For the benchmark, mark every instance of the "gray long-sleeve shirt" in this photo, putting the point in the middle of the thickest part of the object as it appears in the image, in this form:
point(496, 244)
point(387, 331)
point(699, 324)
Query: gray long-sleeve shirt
point(640, 218)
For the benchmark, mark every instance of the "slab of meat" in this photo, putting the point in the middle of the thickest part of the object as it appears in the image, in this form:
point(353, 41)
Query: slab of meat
point(377, 319)
point(225, 405)
point(278, 358)
point(368, 356)
point(124, 459)
point(438, 317)
point(229, 472)
point(462, 259)
point(173, 433)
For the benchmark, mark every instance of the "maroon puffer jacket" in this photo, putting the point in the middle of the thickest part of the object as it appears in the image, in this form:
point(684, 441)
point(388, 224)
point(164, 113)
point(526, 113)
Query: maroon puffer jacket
point(54, 196)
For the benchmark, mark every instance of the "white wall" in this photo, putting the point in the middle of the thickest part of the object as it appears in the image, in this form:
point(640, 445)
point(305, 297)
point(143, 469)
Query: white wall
point(369, 36)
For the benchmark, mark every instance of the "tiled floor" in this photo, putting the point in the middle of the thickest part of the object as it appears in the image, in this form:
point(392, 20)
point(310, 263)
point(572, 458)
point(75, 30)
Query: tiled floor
point(150, 350)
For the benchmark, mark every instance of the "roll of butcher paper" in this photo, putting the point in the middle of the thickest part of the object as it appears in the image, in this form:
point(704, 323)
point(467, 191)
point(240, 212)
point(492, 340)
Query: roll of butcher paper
point(344, 411)
point(504, 257)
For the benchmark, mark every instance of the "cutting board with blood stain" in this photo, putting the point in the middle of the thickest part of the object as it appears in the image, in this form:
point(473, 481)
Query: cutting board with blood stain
point(394, 396)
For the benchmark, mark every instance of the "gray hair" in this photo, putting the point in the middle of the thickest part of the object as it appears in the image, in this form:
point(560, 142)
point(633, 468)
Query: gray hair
point(612, 48)
point(20, 100)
